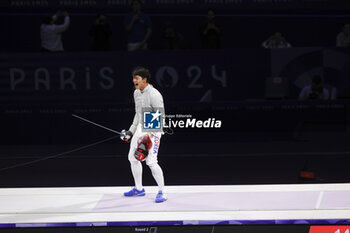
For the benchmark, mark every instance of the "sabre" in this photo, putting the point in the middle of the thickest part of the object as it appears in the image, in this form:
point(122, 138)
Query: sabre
point(91, 122)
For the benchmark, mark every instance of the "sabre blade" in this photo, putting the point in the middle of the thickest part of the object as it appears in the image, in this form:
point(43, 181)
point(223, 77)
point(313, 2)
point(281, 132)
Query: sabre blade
point(91, 122)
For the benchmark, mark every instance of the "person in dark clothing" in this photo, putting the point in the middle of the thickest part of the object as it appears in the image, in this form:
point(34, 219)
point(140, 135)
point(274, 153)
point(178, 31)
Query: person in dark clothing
point(210, 32)
point(315, 91)
point(138, 26)
point(171, 39)
point(101, 31)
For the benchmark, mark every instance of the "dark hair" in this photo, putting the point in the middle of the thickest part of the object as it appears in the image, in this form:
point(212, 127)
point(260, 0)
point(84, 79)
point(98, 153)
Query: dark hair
point(142, 72)
point(47, 20)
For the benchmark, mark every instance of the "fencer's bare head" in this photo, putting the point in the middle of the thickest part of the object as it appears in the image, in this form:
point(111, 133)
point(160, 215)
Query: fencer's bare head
point(140, 77)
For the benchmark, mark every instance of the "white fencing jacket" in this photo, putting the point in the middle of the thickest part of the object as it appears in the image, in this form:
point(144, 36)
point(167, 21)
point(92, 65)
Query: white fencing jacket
point(149, 97)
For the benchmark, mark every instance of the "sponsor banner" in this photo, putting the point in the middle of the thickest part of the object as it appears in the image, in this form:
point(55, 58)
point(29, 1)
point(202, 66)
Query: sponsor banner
point(106, 77)
point(277, 120)
point(201, 4)
point(200, 77)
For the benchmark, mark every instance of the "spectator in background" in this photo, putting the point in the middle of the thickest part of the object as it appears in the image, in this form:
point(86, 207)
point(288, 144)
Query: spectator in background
point(343, 38)
point(171, 39)
point(276, 41)
point(138, 26)
point(50, 33)
point(314, 91)
point(210, 32)
point(101, 32)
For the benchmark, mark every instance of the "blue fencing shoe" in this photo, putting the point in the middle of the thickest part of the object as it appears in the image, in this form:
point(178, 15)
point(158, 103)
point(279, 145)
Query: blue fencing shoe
point(161, 197)
point(135, 192)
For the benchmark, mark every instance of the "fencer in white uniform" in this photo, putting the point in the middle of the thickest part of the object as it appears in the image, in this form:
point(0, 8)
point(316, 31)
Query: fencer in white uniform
point(146, 97)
